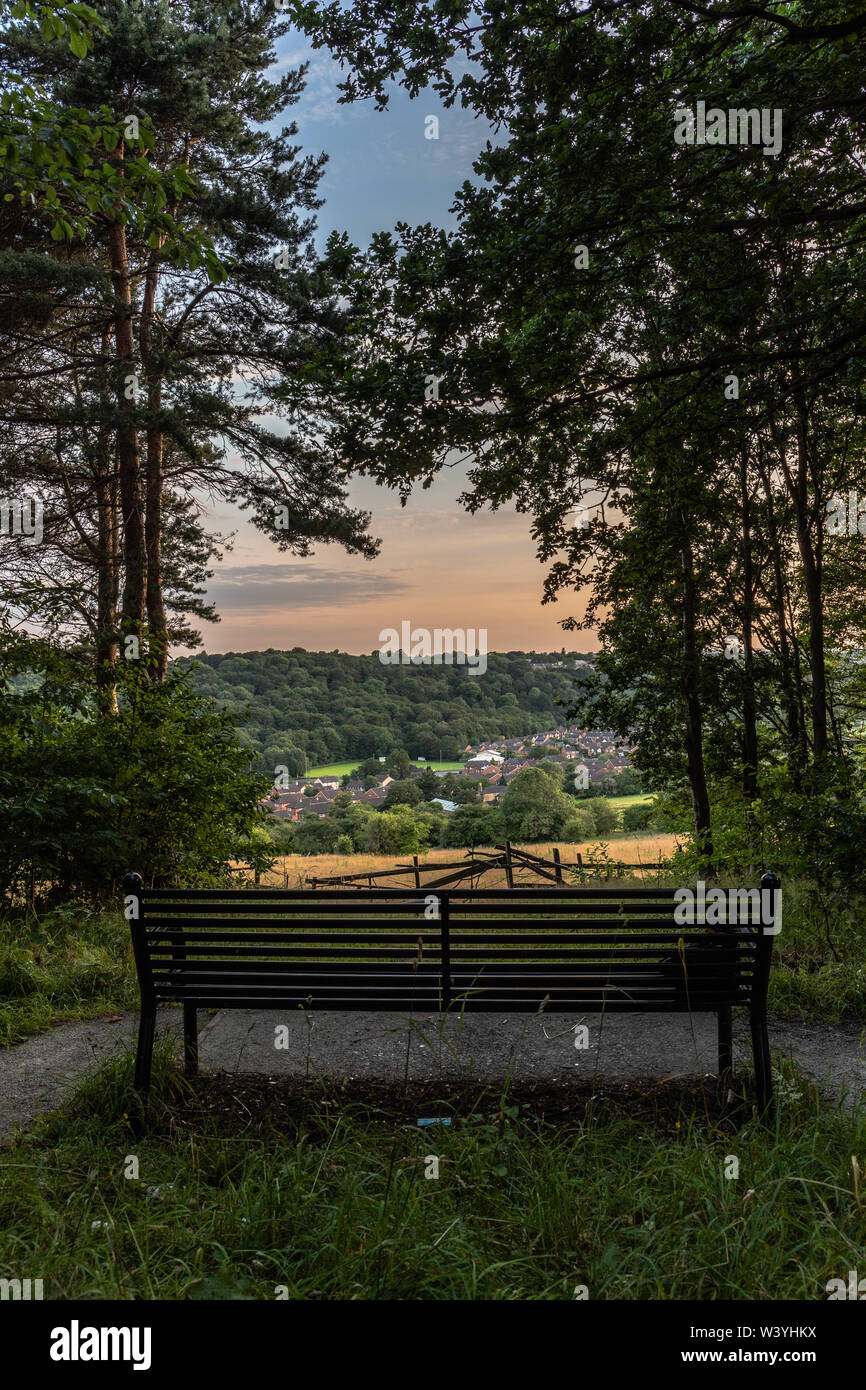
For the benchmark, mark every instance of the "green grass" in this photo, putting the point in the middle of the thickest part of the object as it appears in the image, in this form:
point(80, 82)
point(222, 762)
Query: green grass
point(819, 961)
point(72, 964)
point(619, 803)
point(342, 769)
point(239, 1195)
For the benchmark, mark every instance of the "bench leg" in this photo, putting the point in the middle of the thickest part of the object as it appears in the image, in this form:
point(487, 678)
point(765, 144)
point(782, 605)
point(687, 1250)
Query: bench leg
point(144, 1052)
point(763, 1066)
point(190, 1040)
point(726, 1042)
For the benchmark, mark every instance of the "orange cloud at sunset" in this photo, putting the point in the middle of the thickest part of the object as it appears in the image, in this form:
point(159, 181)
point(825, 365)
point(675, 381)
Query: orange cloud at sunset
point(438, 567)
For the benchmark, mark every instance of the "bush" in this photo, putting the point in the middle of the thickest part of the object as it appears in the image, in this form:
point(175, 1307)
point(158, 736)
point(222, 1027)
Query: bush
point(580, 826)
point(282, 834)
point(163, 787)
point(534, 808)
point(403, 793)
point(472, 825)
point(603, 814)
point(316, 835)
point(395, 832)
point(637, 817)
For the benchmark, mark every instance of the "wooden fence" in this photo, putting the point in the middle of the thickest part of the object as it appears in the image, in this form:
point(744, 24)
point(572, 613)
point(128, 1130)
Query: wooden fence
point(472, 869)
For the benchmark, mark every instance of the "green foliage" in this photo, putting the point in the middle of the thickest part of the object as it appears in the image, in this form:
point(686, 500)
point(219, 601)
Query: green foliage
point(464, 792)
point(62, 158)
point(404, 793)
point(627, 783)
point(256, 849)
point(282, 835)
point(580, 825)
point(428, 784)
point(72, 963)
point(534, 808)
point(701, 435)
point(604, 816)
point(333, 706)
point(472, 825)
point(395, 832)
point(625, 1197)
point(315, 835)
point(163, 788)
point(817, 835)
point(637, 817)
point(398, 763)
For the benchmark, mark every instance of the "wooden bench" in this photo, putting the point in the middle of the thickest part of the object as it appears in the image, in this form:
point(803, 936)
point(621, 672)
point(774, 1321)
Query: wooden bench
point(524, 950)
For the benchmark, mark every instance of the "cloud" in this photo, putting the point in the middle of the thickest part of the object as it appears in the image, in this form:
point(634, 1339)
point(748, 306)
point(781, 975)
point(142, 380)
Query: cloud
point(319, 100)
point(254, 589)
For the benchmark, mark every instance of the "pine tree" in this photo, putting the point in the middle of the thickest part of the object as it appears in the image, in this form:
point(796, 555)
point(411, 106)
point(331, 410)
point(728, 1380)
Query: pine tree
point(138, 380)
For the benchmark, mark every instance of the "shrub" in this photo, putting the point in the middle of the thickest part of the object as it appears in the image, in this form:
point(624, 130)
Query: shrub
point(534, 808)
point(163, 786)
point(395, 832)
point(604, 815)
point(580, 825)
point(637, 817)
point(472, 825)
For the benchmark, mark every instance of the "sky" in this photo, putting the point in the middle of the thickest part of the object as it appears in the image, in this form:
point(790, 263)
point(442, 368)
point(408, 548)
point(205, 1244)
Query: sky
point(438, 567)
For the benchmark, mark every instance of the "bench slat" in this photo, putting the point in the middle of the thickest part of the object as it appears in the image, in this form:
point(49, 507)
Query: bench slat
point(587, 949)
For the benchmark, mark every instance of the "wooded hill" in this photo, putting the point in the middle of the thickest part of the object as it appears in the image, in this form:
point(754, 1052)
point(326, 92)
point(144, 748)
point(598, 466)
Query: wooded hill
point(331, 706)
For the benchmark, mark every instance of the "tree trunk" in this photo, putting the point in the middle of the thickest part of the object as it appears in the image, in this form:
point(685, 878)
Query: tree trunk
point(108, 556)
point(795, 728)
point(811, 556)
point(750, 724)
point(158, 633)
point(106, 585)
point(129, 466)
point(694, 740)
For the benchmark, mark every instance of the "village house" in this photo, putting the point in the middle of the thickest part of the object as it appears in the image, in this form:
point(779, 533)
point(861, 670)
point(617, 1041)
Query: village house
point(600, 751)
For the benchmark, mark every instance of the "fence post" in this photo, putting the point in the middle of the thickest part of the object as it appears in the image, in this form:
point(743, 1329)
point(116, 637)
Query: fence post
point(558, 870)
point(509, 872)
point(417, 872)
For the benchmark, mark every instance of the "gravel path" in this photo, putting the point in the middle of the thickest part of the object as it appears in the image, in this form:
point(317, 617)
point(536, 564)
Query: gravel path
point(35, 1075)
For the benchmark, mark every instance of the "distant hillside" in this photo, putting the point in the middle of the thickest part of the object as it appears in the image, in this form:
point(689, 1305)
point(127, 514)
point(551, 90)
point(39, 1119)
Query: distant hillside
point(334, 707)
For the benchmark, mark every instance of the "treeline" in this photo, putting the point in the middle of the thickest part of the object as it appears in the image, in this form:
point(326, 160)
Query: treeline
point(301, 709)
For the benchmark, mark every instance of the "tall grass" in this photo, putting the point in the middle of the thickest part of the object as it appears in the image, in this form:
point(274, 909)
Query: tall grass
point(242, 1195)
point(71, 964)
point(296, 870)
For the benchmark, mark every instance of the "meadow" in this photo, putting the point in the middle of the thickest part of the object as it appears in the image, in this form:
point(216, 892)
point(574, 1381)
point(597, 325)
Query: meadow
point(343, 769)
point(296, 870)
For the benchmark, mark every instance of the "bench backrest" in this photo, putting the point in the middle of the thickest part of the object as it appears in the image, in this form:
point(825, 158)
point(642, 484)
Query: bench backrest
point(562, 949)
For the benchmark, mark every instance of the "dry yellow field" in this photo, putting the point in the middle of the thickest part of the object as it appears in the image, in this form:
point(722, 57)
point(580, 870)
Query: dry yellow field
point(296, 870)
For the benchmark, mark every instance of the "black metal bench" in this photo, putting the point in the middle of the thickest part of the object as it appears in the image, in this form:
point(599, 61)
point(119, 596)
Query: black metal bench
point(522, 950)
